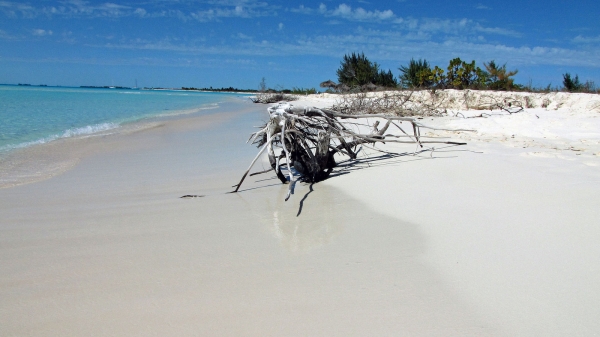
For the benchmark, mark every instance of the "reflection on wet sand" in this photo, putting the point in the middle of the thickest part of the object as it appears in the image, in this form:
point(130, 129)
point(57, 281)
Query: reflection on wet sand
point(302, 223)
point(301, 232)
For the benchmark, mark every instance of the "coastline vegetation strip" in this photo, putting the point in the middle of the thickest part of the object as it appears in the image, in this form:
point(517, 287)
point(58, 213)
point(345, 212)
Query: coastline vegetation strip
point(359, 74)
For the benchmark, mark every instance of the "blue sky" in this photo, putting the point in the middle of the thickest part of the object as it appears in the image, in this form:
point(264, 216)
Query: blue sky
point(291, 43)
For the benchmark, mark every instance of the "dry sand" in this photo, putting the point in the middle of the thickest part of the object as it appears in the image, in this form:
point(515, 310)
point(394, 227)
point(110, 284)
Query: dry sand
point(496, 238)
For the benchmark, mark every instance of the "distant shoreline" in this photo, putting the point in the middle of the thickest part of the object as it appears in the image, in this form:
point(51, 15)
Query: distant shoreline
point(223, 89)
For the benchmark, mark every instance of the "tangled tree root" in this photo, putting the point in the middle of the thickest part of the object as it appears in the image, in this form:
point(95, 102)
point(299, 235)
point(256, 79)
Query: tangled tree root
point(307, 139)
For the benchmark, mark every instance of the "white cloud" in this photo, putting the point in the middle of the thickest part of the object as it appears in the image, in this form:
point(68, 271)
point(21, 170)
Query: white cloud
point(347, 12)
point(67, 37)
point(302, 10)
point(172, 13)
point(71, 8)
point(111, 9)
point(583, 39)
point(240, 61)
point(41, 32)
point(6, 36)
point(497, 31)
point(280, 26)
point(421, 28)
point(322, 8)
point(243, 36)
point(390, 45)
point(216, 13)
point(140, 12)
point(79, 8)
point(358, 14)
point(74, 8)
point(449, 27)
point(13, 9)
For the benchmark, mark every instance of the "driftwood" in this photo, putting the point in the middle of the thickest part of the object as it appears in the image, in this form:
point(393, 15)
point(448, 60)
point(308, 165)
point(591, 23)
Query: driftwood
point(306, 140)
point(267, 97)
point(510, 104)
point(400, 103)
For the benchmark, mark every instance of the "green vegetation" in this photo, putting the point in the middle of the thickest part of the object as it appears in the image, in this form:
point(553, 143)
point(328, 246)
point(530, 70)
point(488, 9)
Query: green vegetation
point(301, 91)
point(574, 85)
point(419, 74)
point(267, 95)
point(386, 79)
point(463, 75)
point(458, 75)
point(356, 70)
point(499, 78)
point(416, 75)
point(262, 89)
point(571, 85)
point(229, 89)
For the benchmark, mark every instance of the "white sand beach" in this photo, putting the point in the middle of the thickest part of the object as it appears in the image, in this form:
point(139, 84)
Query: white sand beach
point(499, 237)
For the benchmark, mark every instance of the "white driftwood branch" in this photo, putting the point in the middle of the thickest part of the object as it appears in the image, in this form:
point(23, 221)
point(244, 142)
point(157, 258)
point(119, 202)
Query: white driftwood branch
point(310, 137)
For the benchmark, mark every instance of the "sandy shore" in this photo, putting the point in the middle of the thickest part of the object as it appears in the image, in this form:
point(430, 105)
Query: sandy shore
point(496, 238)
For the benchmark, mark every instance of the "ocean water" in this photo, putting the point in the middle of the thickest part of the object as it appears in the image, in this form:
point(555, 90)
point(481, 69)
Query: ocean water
point(36, 115)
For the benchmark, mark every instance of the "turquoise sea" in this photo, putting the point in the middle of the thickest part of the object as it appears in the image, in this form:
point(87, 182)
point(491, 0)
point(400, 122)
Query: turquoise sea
point(31, 115)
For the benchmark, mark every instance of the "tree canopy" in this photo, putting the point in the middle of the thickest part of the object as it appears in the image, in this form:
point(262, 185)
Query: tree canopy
point(356, 70)
point(571, 84)
point(499, 78)
point(416, 75)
